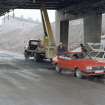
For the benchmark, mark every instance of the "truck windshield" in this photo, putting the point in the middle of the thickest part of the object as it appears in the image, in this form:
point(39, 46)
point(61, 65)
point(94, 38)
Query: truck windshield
point(34, 43)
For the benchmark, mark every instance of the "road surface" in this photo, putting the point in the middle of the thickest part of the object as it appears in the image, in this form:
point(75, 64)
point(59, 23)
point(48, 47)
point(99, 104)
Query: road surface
point(29, 83)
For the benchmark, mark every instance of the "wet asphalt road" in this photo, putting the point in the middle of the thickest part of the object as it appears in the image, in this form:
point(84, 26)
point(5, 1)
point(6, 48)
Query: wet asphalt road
point(29, 83)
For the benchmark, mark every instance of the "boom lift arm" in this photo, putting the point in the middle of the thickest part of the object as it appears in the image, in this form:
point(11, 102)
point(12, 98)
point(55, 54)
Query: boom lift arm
point(49, 41)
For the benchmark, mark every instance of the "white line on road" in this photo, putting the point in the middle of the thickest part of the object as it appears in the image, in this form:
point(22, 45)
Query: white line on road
point(22, 74)
point(13, 81)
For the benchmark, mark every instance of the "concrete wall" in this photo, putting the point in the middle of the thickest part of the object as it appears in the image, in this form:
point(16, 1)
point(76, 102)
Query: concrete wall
point(57, 27)
point(64, 29)
point(92, 28)
point(75, 33)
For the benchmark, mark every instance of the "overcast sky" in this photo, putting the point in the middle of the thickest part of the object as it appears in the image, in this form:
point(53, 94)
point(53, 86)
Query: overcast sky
point(32, 13)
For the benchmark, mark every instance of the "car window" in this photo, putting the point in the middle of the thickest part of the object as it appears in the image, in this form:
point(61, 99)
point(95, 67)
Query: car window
point(64, 57)
point(72, 56)
point(81, 55)
point(100, 55)
point(75, 56)
point(94, 54)
point(68, 55)
point(96, 46)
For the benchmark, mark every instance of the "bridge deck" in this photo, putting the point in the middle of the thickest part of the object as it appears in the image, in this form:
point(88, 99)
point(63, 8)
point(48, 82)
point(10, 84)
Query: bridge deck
point(76, 6)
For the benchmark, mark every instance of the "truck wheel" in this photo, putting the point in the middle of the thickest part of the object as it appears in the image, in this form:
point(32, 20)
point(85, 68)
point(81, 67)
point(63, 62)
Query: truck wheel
point(78, 74)
point(26, 56)
point(36, 58)
point(58, 69)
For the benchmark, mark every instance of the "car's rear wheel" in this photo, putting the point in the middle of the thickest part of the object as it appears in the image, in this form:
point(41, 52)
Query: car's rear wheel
point(78, 74)
point(58, 69)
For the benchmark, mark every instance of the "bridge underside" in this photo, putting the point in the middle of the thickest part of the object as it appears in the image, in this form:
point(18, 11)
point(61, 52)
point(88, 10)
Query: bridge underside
point(75, 6)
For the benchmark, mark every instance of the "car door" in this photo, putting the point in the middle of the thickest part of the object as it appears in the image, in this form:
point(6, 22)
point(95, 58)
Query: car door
point(63, 61)
point(72, 64)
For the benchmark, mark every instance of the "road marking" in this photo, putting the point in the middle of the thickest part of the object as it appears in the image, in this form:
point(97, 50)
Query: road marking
point(31, 74)
point(13, 81)
point(22, 74)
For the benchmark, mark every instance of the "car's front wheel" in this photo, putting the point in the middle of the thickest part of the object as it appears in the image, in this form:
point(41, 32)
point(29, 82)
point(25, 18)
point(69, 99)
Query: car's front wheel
point(78, 74)
point(58, 69)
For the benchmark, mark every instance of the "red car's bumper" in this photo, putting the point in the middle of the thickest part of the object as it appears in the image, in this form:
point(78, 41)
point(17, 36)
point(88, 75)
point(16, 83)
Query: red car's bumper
point(94, 74)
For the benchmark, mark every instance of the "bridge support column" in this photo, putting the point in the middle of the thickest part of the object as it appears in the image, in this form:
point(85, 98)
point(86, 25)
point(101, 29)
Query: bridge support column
point(92, 28)
point(57, 27)
point(62, 29)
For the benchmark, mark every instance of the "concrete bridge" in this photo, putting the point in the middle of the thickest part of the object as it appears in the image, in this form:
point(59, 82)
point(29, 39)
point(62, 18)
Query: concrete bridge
point(66, 10)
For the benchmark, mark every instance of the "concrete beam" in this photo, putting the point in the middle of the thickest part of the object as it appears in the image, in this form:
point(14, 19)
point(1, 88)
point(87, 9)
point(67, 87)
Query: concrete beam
point(92, 28)
point(63, 15)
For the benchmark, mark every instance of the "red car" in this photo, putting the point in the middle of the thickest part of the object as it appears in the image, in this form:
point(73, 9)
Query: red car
point(81, 65)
